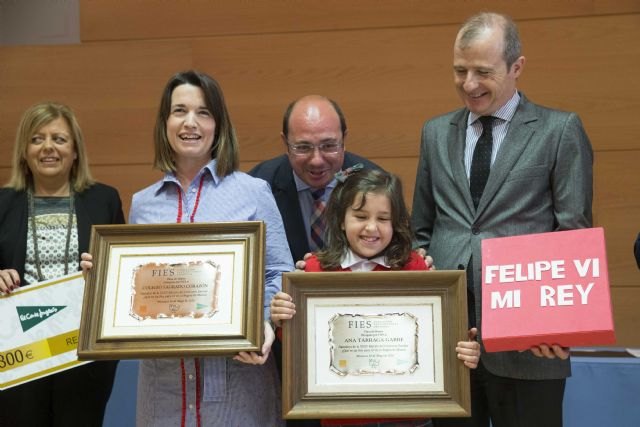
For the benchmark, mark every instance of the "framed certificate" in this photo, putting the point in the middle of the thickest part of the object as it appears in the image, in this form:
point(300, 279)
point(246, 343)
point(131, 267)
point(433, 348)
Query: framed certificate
point(174, 290)
point(378, 344)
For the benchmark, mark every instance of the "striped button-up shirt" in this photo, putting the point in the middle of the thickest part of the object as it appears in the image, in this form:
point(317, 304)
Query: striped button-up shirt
point(500, 128)
point(213, 391)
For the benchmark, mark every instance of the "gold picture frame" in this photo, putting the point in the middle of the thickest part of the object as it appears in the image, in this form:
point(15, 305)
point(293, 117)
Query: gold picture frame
point(391, 334)
point(173, 290)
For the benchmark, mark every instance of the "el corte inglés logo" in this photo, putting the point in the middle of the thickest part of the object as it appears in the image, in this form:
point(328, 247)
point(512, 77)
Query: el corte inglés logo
point(30, 316)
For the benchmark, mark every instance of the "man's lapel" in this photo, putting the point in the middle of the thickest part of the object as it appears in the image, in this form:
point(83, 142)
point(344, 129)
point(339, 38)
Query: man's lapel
point(286, 195)
point(456, 140)
point(520, 131)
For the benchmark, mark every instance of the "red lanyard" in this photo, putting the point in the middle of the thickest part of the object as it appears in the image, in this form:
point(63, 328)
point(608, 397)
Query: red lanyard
point(197, 364)
point(195, 206)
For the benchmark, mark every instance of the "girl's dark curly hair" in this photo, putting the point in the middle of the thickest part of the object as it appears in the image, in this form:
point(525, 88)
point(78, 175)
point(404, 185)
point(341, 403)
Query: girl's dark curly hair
point(365, 182)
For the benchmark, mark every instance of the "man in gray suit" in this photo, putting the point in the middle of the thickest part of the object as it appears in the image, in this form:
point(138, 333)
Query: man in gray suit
point(537, 178)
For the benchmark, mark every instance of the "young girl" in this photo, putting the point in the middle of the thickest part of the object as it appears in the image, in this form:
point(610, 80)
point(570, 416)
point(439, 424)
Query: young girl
point(368, 229)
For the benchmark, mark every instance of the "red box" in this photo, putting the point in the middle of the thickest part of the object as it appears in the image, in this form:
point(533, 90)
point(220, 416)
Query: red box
point(547, 288)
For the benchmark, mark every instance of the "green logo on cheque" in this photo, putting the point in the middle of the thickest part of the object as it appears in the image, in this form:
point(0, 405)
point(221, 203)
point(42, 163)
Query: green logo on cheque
point(30, 316)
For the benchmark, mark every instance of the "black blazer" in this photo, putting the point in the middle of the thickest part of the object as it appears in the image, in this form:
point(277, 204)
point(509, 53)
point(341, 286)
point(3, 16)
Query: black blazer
point(637, 250)
point(99, 204)
point(278, 173)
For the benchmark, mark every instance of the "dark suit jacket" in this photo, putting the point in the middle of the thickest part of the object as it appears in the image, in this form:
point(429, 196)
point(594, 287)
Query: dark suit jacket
point(637, 250)
point(99, 204)
point(278, 173)
point(541, 181)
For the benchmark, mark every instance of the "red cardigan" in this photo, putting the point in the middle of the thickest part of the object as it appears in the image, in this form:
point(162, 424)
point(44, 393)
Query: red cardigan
point(416, 262)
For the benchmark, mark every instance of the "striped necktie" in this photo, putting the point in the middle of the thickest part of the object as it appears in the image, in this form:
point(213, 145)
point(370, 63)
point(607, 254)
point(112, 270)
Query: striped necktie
point(317, 221)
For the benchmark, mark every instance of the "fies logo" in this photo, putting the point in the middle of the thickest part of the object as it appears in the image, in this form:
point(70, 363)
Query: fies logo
point(30, 316)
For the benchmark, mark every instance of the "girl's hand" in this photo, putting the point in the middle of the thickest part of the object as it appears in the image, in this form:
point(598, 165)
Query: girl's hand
point(282, 308)
point(301, 264)
point(9, 280)
point(469, 351)
point(254, 358)
point(428, 261)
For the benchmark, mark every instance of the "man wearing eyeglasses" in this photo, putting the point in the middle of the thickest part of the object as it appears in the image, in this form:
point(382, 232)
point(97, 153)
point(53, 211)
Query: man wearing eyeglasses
point(313, 132)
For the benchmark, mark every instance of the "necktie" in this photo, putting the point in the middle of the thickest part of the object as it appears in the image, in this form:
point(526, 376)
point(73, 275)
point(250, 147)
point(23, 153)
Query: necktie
point(481, 162)
point(317, 221)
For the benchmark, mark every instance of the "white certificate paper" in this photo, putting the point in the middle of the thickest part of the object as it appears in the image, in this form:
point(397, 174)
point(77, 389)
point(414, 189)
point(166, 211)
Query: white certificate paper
point(375, 344)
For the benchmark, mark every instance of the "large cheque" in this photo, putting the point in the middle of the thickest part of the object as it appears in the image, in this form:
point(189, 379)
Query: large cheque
point(39, 334)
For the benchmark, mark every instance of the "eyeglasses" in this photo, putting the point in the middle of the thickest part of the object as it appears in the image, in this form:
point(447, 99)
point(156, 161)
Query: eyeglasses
point(308, 149)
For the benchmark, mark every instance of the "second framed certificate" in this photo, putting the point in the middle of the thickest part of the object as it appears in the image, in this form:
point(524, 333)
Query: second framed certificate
point(173, 290)
point(379, 344)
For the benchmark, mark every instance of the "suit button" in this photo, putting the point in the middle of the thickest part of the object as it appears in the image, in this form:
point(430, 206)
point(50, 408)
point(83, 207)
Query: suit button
point(475, 230)
point(461, 267)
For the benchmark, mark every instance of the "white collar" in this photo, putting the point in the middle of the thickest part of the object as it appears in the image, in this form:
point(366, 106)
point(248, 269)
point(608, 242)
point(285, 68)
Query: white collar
point(303, 186)
point(505, 113)
point(355, 262)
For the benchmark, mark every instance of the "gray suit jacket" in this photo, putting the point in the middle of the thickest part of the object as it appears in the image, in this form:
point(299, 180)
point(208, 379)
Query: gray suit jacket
point(541, 181)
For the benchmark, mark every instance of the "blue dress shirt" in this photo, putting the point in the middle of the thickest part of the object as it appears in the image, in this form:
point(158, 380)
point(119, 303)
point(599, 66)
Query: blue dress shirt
point(224, 398)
